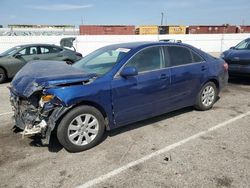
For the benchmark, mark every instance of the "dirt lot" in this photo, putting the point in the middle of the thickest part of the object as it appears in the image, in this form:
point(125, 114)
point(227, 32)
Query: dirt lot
point(186, 148)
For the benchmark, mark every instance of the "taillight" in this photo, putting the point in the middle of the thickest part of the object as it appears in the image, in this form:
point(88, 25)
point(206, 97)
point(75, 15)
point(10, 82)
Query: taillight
point(225, 66)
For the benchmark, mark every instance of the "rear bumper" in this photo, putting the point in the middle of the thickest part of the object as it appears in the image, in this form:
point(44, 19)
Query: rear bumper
point(223, 80)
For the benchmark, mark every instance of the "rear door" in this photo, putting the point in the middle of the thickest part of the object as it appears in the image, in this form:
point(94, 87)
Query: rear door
point(50, 53)
point(142, 96)
point(188, 72)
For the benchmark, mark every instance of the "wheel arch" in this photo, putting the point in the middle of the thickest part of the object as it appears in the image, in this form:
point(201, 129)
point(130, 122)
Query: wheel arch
point(87, 103)
point(215, 81)
point(93, 104)
point(5, 70)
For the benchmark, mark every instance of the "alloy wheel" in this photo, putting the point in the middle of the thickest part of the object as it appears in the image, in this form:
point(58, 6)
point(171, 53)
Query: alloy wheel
point(83, 129)
point(208, 95)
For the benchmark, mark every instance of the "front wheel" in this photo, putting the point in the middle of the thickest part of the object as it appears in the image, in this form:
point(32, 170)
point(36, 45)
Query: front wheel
point(207, 96)
point(81, 129)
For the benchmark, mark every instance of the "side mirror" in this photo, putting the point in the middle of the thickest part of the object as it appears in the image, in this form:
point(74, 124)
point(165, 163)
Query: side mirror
point(17, 55)
point(129, 71)
point(232, 47)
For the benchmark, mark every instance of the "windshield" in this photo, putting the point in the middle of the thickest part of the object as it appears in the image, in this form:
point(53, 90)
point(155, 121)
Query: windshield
point(102, 60)
point(11, 51)
point(243, 45)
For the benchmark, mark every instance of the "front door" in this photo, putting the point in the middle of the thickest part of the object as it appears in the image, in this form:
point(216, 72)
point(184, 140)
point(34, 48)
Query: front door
point(142, 96)
point(24, 55)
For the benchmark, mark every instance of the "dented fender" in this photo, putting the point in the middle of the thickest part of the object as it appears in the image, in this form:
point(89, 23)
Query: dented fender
point(52, 121)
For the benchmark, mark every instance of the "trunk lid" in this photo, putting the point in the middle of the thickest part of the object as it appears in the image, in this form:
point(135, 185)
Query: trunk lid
point(68, 42)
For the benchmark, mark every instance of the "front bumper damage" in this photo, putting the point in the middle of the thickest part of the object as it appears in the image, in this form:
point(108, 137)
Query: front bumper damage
point(33, 119)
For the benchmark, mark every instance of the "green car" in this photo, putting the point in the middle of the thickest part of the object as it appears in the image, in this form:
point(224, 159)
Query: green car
point(12, 60)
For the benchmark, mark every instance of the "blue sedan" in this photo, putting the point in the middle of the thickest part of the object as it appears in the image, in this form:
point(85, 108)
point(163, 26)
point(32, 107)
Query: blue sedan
point(238, 58)
point(112, 87)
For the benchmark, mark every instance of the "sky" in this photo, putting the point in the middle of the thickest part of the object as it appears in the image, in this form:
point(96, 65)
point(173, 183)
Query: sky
point(125, 12)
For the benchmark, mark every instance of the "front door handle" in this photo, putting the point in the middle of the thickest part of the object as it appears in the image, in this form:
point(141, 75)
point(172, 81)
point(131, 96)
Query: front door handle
point(36, 58)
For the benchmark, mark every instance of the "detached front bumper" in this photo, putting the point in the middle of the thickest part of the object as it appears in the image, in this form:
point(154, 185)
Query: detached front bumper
point(33, 119)
point(27, 116)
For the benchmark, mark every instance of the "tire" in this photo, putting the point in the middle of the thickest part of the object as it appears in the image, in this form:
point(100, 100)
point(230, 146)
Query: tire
point(3, 76)
point(82, 128)
point(206, 97)
point(68, 61)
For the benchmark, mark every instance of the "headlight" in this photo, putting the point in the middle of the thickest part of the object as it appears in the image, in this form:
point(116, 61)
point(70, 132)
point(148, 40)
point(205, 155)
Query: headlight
point(44, 99)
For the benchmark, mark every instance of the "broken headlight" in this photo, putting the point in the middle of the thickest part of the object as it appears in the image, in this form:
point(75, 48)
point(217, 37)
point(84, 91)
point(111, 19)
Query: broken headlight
point(44, 99)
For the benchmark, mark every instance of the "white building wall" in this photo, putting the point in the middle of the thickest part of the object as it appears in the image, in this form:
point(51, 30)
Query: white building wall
point(88, 43)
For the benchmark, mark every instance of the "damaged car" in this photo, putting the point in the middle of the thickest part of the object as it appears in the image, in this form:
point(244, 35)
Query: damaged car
point(111, 87)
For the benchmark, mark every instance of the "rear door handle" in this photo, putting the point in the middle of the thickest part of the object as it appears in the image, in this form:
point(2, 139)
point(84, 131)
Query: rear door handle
point(163, 77)
point(59, 55)
point(36, 58)
point(203, 68)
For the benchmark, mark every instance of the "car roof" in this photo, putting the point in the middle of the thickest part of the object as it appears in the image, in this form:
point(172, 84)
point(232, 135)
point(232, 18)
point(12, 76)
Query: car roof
point(27, 45)
point(135, 45)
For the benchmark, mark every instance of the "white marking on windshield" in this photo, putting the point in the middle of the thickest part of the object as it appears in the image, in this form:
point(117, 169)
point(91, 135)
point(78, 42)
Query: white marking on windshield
point(125, 50)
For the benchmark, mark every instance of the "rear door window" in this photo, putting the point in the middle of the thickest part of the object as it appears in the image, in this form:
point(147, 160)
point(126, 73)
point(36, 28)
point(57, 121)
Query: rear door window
point(49, 49)
point(178, 55)
point(196, 57)
point(44, 50)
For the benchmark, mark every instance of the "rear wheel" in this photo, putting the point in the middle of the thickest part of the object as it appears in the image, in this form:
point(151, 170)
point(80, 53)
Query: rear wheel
point(81, 129)
point(68, 61)
point(207, 96)
point(3, 76)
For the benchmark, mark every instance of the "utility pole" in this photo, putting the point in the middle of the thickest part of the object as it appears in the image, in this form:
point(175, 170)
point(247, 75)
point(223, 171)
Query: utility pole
point(166, 19)
point(162, 16)
point(243, 22)
point(82, 20)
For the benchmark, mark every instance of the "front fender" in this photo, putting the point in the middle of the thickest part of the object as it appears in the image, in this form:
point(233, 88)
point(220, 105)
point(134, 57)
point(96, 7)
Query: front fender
point(97, 95)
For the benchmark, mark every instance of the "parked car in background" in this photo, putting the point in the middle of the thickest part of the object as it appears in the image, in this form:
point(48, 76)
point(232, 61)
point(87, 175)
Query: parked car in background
point(238, 58)
point(12, 60)
point(112, 87)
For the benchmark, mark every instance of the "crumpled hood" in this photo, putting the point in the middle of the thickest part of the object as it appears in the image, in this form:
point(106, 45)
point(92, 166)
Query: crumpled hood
point(37, 75)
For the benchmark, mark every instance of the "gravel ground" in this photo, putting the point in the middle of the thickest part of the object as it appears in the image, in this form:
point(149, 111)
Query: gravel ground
point(218, 158)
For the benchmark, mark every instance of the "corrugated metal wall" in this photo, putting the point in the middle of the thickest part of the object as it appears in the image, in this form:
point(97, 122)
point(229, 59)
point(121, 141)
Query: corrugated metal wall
point(106, 30)
point(147, 30)
point(196, 29)
point(243, 29)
